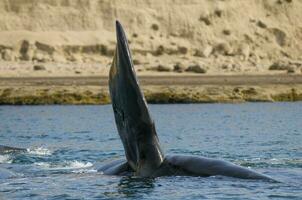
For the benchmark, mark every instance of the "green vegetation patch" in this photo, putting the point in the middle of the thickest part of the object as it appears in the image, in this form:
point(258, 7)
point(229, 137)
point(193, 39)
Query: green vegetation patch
point(44, 98)
point(177, 94)
point(291, 95)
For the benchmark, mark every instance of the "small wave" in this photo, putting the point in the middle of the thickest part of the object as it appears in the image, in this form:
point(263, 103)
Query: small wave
point(84, 171)
point(272, 162)
point(39, 151)
point(277, 161)
point(78, 165)
point(5, 159)
point(68, 165)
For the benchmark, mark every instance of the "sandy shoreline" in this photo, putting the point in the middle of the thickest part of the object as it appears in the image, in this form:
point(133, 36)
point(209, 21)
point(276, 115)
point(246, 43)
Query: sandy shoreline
point(157, 89)
point(163, 80)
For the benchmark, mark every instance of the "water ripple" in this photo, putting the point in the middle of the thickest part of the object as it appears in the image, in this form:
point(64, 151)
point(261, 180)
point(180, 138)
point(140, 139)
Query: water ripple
point(66, 144)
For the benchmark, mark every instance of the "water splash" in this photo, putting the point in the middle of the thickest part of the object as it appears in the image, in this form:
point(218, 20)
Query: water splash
point(84, 171)
point(5, 159)
point(67, 165)
point(40, 151)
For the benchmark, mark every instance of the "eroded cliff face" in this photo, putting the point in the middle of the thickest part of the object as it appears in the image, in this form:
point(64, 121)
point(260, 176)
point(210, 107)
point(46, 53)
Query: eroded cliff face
point(221, 34)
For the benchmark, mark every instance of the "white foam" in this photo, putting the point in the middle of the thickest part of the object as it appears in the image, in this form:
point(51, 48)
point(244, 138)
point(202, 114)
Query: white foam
point(39, 151)
point(5, 159)
point(43, 164)
point(276, 161)
point(83, 171)
point(79, 165)
point(68, 165)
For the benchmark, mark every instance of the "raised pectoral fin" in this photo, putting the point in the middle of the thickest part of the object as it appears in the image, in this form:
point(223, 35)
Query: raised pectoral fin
point(134, 123)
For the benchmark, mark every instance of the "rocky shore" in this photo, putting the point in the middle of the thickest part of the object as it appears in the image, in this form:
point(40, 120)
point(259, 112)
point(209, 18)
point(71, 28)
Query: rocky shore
point(165, 90)
point(175, 94)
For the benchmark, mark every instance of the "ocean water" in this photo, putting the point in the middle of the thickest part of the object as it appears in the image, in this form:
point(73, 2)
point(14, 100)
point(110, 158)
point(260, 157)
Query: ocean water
point(65, 143)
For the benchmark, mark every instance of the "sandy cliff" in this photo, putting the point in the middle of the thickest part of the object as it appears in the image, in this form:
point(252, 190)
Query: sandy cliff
point(219, 36)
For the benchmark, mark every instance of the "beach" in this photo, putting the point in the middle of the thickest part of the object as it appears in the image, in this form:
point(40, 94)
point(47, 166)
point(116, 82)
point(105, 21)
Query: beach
point(157, 89)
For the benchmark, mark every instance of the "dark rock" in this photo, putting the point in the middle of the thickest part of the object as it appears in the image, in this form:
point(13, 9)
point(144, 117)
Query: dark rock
point(226, 66)
point(206, 20)
point(25, 46)
point(283, 65)
point(164, 68)
point(279, 65)
point(223, 49)
point(160, 50)
point(39, 68)
point(183, 50)
point(280, 35)
point(45, 47)
point(136, 62)
point(226, 32)
point(291, 69)
point(261, 24)
point(218, 12)
point(179, 67)
point(196, 68)
point(155, 27)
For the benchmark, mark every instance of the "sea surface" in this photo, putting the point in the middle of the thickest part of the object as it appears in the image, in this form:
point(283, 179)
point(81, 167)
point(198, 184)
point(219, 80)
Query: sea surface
point(66, 143)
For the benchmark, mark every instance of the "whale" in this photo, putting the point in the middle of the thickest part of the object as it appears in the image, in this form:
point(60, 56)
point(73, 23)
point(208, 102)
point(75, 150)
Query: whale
point(7, 173)
point(144, 156)
point(8, 149)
